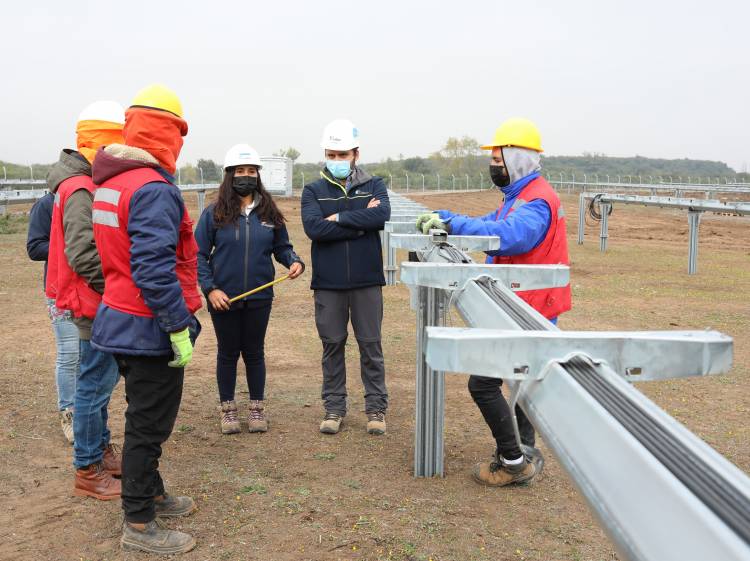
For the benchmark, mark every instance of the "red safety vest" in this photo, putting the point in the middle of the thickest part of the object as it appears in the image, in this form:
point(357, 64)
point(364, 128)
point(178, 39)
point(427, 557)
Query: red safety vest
point(111, 211)
point(550, 302)
point(70, 291)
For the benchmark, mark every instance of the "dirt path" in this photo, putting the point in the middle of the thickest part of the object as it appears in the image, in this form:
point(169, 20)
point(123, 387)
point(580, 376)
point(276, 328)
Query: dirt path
point(294, 494)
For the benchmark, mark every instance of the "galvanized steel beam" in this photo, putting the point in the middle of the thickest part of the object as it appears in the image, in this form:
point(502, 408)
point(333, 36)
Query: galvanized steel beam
point(635, 355)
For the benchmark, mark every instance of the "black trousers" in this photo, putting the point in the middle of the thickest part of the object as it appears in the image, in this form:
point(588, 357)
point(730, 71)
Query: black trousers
point(496, 412)
point(153, 392)
point(241, 331)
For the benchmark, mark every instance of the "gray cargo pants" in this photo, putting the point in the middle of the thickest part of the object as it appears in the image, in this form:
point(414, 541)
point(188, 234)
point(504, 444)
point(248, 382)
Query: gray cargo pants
point(332, 311)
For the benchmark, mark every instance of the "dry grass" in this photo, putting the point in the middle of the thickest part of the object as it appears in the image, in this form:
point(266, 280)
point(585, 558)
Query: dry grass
point(294, 494)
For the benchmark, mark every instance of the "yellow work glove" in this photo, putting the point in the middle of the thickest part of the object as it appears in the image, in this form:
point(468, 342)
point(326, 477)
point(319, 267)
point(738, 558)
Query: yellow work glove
point(182, 347)
point(434, 224)
point(423, 218)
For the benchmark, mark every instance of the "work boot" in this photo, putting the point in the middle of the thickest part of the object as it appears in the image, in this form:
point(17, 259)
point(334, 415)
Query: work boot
point(256, 417)
point(498, 473)
point(112, 460)
point(172, 507)
point(66, 421)
point(331, 423)
point(93, 481)
point(155, 538)
point(230, 421)
point(376, 422)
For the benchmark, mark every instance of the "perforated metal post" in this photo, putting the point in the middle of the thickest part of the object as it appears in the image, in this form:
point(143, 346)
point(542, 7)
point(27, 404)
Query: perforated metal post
point(604, 228)
point(201, 201)
point(581, 217)
point(694, 218)
point(430, 390)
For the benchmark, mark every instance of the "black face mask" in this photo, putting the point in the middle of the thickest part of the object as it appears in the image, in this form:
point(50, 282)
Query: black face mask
point(244, 185)
point(499, 176)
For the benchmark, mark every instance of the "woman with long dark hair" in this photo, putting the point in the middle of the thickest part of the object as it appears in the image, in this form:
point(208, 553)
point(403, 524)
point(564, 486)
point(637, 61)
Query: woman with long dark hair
point(236, 237)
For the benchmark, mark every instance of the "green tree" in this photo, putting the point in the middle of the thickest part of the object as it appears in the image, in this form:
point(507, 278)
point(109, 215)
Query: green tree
point(189, 175)
point(211, 170)
point(458, 156)
point(291, 153)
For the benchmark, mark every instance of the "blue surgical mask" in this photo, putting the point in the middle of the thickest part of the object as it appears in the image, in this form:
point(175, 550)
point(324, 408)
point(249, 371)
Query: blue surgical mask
point(340, 169)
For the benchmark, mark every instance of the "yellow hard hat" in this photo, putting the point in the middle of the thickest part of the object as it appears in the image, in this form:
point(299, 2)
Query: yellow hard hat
point(516, 132)
point(158, 96)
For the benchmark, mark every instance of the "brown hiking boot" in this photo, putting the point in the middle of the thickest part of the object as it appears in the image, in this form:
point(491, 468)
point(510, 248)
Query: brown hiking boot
point(112, 460)
point(155, 538)
point(376, 422)
point(66, 422)
point(499, 474)
point(172, 507)
point(230, 421)
point(331, 423)
point(93, 481)
point(256, 418)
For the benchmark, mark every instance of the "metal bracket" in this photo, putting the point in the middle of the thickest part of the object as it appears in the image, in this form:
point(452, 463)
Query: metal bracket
point(525, 355)
point(455, 276)
point(412, 219)
point(401, 227)
point(425, 242)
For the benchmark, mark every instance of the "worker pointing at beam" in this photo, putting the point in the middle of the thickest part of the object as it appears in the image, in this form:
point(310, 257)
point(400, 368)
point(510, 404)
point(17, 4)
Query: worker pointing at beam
point(531, 226)
point(237, 235)
point(149, 257)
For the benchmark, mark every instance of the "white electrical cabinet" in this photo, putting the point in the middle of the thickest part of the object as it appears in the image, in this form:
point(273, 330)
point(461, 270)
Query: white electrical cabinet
point(277, 175)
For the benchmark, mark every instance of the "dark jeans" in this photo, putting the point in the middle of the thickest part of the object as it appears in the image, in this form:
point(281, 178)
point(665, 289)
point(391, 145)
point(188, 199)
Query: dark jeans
point(241, 331)
point(153, 392)
point(333, 309)
point(496, 412)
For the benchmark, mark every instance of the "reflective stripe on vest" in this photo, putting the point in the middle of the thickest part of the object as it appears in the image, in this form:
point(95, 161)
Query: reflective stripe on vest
point(105, 218)
point(105, 195)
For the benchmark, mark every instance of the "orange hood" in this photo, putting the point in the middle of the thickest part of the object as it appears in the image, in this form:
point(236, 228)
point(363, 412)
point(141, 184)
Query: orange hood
point(91, 135)
point(157, 132)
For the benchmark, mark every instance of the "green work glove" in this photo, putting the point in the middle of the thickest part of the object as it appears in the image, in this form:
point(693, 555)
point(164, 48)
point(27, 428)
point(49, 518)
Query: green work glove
point(423, 218)
point(182, 347)
point(434, 224)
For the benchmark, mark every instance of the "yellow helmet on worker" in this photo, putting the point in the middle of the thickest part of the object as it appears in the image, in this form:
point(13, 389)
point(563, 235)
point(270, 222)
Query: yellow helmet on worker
point(518, 132)
point(158, 96)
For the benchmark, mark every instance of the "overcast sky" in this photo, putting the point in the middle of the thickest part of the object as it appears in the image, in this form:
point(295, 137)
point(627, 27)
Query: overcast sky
point(657, 78)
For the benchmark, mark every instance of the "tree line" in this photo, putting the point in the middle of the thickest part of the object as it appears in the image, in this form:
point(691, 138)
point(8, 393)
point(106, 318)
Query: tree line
point(457, 158)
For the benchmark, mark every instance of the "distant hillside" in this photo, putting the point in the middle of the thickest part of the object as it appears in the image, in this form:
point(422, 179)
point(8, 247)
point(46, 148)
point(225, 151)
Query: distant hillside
point(472, 164)
point(591, 165)
point(637, 165)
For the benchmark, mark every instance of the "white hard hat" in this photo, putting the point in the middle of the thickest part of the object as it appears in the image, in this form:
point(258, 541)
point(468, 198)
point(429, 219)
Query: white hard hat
point(109, 111)
point(340, 134)
point(242, 155)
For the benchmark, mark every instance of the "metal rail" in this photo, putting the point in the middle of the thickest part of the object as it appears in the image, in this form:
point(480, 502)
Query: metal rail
point(694, 208)
point(21, 196)
point(659, 492)
point(679, 189)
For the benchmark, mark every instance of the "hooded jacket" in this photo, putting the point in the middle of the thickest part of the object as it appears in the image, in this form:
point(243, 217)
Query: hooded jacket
point(526, 227)
point(523, 225)
point(79, 279)
point(236, 258)
point(346, 254)
point(159, 239)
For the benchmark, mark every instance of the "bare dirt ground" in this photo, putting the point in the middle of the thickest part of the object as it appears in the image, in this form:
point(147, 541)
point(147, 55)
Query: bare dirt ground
point(294, 494)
